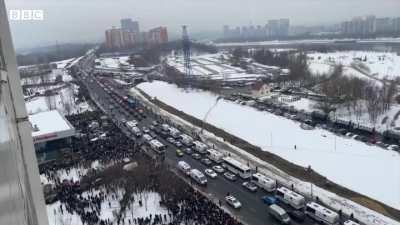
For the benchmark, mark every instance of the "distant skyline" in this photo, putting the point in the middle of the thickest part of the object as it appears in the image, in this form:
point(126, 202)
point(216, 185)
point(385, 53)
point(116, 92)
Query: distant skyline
point(85, 21)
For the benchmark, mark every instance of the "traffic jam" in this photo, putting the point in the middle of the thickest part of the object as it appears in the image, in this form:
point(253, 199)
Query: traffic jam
point(282, 203)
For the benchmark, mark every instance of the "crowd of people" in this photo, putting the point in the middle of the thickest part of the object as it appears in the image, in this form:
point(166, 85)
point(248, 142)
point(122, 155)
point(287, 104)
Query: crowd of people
point(100, 140)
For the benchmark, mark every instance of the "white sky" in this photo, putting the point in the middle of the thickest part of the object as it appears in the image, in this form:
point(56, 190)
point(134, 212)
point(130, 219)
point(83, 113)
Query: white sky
point(86, 20)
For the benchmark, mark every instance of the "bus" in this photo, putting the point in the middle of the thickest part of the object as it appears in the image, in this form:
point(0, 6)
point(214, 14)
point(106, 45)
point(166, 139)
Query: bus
point(264, 182)
point(157, 146)
point(236, 167)
point(215, 155)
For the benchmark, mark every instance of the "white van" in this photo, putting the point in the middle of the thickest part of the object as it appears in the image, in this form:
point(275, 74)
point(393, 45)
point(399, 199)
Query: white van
point(186, 140)
point(174, 132)
point(157, 146)
point(200, 147)
point(279, 214)
point(215, 155)
point(350, 222)
point(198, 176)
point(264, 182)
point(136, 131)
point(322, 214)
point(291, 198)
point(184, 167)
point(147, 138)
point(165, 127)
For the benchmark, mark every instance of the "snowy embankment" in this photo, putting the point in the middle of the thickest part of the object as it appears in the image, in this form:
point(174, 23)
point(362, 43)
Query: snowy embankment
point(355, 165)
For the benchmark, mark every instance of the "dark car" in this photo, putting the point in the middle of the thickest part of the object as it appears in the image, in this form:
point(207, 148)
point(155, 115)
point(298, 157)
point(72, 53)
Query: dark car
point(297, 215)
point(269, 200)
point(206, 161)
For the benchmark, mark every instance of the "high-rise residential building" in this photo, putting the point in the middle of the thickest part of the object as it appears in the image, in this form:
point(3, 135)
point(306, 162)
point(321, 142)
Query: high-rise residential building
point(157, 35)
point(369, 25)
point(114, 38)
point(129, 24)
point(21, 201)
point(273, 28)
point(284, 25)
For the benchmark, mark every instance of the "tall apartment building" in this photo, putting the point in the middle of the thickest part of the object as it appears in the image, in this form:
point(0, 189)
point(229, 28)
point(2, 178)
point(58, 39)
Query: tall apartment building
point(129, 24)
point(370, 25)
point(21, 196)
point(120, 38)
point(157, 35)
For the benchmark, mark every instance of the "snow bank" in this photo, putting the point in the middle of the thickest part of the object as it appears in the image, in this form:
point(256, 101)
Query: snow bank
point(353, 164)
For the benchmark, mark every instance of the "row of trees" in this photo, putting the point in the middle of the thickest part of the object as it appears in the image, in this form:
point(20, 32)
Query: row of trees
point(357, 95)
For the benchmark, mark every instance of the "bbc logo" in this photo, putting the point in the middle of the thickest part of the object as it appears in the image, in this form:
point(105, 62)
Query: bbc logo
point(27, 14)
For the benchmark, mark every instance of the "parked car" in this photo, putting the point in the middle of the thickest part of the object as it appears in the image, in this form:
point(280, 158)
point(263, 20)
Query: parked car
point(211, 173)
point(188, 151)
point(269, 200)
point(250, 186)
point(218, 169)
point(297, 215)
point(230, 176)
point(196, 156)
point(206, 161)
point(232, 201)
point(179, 153)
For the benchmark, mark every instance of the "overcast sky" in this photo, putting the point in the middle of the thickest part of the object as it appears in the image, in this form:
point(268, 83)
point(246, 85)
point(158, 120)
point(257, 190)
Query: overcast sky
point(86, 20)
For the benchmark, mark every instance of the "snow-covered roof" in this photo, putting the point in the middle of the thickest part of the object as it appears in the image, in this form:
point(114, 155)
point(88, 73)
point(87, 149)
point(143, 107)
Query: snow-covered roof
point(50, 125)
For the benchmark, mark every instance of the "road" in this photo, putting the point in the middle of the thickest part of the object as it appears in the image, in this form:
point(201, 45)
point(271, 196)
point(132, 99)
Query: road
point(253, 211)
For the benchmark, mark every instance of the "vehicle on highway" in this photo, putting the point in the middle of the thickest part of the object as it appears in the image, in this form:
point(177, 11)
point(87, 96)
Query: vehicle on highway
point(350, 222)
point(215, 155)
point(297, 215)
point(175, 133)
point(198, 176)
point(322, 214)
point(186, 140)
point(184, 167)
point(218, 169)
point(230, 176)
point(171, 140)
point(131, 124)
point(154, 123)
point(188, 151)
point(196, 156)
point(178, 144)
point(147, 138)
point(250, 186)
point(179, 153)
point(152, 134)
point(291, 198)
point(211, 173)
point(206, 161)
point(157, 146)
point(145, 130)
point(279, 214)
point(232, 201)
point(136, 131)
point(264, 182)
point(151, 127)
point(200, 147)
point(236, 167)
point(269, 200)
point(165, 127)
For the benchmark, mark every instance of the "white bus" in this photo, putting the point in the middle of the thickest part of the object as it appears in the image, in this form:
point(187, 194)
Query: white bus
point(236, 167)
point(291, 198)
point(186, 140)
point(184, 167)
point(322, 214)
point(200, 147)
point(198, 176)
point(157, 146)
point(264, 182)
point(215, 155)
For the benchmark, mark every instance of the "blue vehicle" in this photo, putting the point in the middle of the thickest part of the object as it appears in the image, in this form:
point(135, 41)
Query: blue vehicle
point(269, 200)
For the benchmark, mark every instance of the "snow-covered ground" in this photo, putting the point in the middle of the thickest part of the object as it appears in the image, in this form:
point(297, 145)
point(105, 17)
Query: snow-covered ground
point(353, 164)
point(379, 65)
point(210, 66)
point(112, 63)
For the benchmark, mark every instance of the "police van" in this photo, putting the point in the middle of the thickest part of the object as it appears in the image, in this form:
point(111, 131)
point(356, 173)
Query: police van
point(198, 176)
point(264, 182)
point(184, 167)
point(322, 214)
point(200, 147)
point(215, 155)
point(291, 198)
point(186, 140)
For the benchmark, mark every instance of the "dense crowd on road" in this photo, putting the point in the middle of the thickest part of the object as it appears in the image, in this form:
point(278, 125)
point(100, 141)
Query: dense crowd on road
point(87, 196)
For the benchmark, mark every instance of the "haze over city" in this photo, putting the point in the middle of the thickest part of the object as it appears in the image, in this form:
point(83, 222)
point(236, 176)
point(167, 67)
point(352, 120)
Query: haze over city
point(65, 19)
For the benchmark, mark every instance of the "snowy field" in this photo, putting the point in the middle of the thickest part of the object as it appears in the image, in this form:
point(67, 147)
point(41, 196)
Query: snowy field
point(211, 66)
point(353, 164)
point(380, 65)
point(111, 63)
